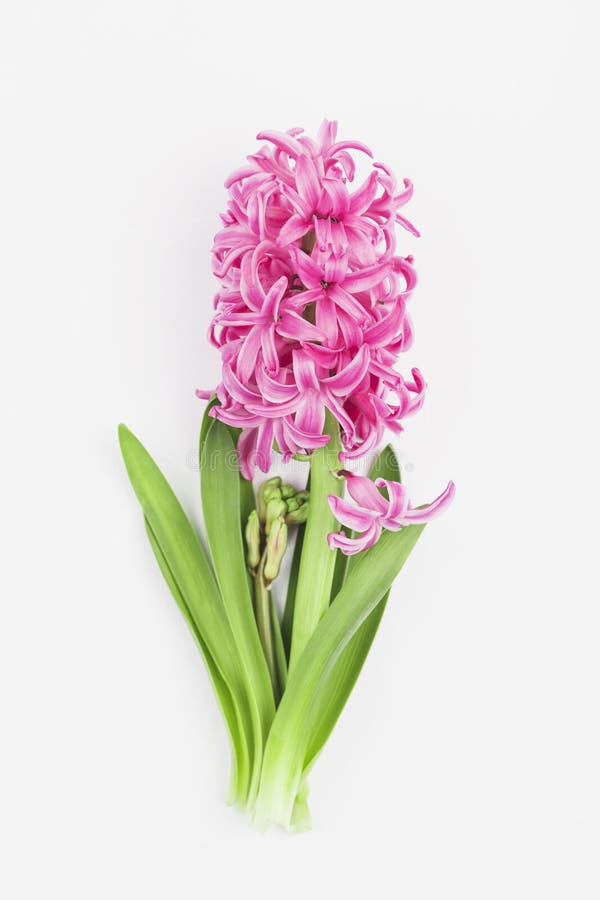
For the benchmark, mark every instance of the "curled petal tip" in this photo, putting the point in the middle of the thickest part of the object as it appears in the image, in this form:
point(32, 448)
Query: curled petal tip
point(331, 540)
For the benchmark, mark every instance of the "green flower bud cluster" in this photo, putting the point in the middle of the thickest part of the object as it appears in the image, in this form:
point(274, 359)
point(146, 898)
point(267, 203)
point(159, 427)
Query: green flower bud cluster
point(277, 500)
point(279, 505)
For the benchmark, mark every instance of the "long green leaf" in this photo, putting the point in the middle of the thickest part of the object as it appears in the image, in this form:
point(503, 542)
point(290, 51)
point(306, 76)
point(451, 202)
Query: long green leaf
point(338, 684)
point(220, 488)
point(241, 772)
point(185, 565)
point(207, 420)
point(247, 499)
point(289, 738)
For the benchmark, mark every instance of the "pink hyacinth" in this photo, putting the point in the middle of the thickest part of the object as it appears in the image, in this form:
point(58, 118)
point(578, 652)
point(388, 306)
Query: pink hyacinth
point(311, 311)
point(371, 511)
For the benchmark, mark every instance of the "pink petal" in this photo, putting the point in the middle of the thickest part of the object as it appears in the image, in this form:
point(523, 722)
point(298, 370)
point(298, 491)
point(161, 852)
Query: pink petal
point(425, 513)
point(309, 272)
point(398, 497)
point(417, 386)
point(347, 302)
point(335, 407)
point(295, 328)
point(310, 415)
point(335, 268)
point(274, 296)
point(323, 356)
point(364, 492)
point(239, 174)
point(246, 451)
point(274, 391)
point(269, 350)
point(322, 228)
point(284, 141)
point(235, 387)
point(294, 229)
point(361, 199)
point(326, 134)
point(408, 225)
point(349, 145)
point(386, 329)
point(351, 516)
point(239, 418)
point(351, 330)
point(308, 183)
point(404, 196)
point(304, 372)
point(350, 546)
point(347, 380)
point(264, 446)
point(345, 161)
point(405, 267)
point(335, 200)
point(301, 440)
point(326, 317)
point(367, 278)
point(247, 356)
point(297, 202)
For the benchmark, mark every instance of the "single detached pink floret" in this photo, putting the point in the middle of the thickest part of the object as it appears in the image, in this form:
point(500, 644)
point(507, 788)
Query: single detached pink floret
point(371, 511)
point(311, 312)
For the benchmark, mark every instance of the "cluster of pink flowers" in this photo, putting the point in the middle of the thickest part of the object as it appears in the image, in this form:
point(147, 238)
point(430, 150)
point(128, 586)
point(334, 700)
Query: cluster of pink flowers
point(311, 309)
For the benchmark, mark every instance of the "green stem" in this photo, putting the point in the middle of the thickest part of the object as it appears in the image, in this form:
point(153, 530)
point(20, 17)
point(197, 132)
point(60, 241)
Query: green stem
point(318, 561)
point(262, 600)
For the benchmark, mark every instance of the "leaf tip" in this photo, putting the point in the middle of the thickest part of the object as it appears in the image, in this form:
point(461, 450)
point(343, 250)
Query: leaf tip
point(123, 434)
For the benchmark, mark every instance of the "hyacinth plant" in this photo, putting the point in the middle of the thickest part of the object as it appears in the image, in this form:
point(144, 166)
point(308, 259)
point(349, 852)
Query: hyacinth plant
point(310, 318)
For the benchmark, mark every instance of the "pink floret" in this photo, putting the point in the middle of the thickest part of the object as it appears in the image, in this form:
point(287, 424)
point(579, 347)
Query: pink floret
point(371, 511)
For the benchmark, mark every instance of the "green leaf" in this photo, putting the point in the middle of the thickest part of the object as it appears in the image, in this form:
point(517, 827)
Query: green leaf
point(338, 684)
point(290, 737)
point(247, 502)
point(240, 774)
point(220, 488)
point(186, 568)
point(247, 499)
point(207, 420)
point(317, 563)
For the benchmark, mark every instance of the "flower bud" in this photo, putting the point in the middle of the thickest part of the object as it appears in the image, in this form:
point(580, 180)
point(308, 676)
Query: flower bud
point(297, 516)
point(276, 509)
point(268, 490)
point(252, 535)
point(287, 491)
point(276, 545)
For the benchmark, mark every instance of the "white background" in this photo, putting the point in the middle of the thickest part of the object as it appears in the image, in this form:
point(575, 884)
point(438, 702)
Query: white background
point(466, 764)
